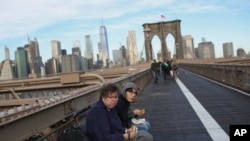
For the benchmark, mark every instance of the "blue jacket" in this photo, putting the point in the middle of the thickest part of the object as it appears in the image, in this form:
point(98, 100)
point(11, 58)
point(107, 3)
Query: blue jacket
point(103, 125)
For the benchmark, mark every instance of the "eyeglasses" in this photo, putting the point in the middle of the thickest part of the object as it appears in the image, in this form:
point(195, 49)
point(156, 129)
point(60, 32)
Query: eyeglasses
point(112, 97)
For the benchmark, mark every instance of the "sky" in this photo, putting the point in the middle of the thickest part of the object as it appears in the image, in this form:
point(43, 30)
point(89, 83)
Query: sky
point(215, 20)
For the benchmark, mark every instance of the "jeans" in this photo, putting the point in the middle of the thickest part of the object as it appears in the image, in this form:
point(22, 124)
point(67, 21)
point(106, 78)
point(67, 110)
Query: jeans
point(143, 126)
point(155, 74)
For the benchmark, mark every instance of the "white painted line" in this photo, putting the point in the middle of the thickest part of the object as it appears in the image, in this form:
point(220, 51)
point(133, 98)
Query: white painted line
point(212, 127)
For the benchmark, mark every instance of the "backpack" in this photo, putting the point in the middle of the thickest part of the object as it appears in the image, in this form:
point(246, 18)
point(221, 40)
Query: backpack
point(164, 67)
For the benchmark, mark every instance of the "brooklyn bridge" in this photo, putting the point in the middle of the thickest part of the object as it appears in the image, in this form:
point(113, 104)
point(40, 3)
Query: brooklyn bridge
point(44, 107)
point(207, 97)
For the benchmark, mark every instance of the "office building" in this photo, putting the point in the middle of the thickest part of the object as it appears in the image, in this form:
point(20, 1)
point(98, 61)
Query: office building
point(56, 54)
point(6, 70)
point(70, 63)
point(51, 67)
point(100, 52)
point(228, 50)
point(116, 56)
point(241, 52)
point(56, 48)
point(21, 57)
point(7, 53)
point(34, 58)
point(132, 51)
point(206, 50)
point(122, 55)
point(63, 52)
point(89, 47)
point(188, 47)
point(104, 45)
point(76, 49)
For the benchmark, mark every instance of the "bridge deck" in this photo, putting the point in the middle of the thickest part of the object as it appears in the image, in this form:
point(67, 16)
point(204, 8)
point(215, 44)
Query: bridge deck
point(174, 116)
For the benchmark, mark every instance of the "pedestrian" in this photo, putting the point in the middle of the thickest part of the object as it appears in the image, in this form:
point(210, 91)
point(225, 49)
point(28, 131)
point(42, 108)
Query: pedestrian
point(154, 67)
point(174, 66)
point(165, 70)
point(103, 123)
point(129, 116)
point(159, 68)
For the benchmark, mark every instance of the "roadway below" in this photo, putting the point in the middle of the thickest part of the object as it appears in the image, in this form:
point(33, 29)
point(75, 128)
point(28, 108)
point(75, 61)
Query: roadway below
point(192, 108)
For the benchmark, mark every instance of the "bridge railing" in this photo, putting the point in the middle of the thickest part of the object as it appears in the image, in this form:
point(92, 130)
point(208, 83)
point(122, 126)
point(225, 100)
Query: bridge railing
point(235, 75)
point(47, 117)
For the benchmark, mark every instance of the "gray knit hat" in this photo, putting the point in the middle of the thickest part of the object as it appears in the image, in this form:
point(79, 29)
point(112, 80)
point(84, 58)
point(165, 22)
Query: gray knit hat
point(127, 86)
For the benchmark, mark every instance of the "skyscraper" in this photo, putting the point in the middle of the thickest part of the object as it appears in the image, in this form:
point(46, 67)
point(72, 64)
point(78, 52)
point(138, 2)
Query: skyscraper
point(99, 52)
point(89, 47)
point(76, 49)
point(56, 57)
point(228, 50)
point(206, 50)
point(7, 53)
point(34, 58)
point(51, 66)
point(70, 63)
point(132, 48)
point(21, 57)
point(116, 56)
point(104, 45)
point(123, 56)
point(7, 70)
point(188, 47)
point(36, 45)
point(56, 48)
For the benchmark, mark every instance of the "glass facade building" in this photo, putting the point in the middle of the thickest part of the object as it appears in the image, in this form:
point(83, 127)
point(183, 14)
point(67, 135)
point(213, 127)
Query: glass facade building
point(21, 58)
point(104, 45)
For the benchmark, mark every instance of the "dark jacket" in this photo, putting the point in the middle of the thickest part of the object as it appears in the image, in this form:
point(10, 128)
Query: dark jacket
point(123, 106)
point(103, 125)
point(123, 112)
point(165, 67)
point(154, 66)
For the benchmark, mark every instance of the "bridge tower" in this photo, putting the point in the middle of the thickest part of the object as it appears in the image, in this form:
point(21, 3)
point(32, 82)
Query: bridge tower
point(162, 29)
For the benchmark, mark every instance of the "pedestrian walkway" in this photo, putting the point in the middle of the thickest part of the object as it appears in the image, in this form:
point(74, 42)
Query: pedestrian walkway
point(170, 115)
point(175, 116)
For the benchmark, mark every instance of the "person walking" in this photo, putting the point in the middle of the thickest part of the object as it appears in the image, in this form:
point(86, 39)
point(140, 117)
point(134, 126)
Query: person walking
point(174, 67)
point(154, 67)
point(159, 68)
point(165, 70)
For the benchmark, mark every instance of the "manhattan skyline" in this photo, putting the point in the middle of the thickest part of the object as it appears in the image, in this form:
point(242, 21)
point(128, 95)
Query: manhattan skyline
point(216, 21)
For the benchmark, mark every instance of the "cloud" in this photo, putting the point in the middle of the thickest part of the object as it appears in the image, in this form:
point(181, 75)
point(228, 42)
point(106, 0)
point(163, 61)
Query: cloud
point(19, 18)
point(63, 19)
point(26, 16)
